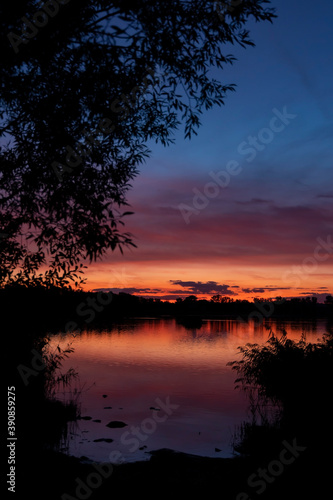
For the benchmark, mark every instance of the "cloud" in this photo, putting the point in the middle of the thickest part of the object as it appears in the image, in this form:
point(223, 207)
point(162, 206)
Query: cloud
point(325, 195)
point(221, 230)
point(198, 287)
point(157, 293)
point(130, 290)
point(253, 201)
point(170, 296)
point(264, 289)
point(262, 228)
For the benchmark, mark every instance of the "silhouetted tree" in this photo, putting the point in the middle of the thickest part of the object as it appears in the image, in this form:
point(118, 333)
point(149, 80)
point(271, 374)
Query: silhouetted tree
point(216, 298)
point(221, 299)
point(85, 86)
point(190, 299)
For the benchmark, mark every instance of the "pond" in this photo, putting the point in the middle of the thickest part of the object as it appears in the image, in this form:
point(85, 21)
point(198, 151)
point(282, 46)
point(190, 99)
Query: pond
point(168, 382)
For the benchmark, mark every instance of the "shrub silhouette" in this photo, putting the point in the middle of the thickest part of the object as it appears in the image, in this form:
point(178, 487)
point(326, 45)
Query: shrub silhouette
point(289, 384)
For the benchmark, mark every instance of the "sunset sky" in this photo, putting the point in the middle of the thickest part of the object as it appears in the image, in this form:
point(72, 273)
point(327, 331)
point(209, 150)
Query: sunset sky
point(245, 208)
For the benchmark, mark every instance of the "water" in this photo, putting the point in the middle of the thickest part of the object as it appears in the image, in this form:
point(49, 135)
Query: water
point(170, 384)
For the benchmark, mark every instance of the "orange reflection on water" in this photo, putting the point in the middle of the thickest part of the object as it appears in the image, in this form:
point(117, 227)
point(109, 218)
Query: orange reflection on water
point(140, 360)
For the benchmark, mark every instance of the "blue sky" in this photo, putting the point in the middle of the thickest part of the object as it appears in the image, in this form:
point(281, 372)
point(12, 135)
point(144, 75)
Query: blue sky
point(269, 216)
point(273, 137)
point(291, 66)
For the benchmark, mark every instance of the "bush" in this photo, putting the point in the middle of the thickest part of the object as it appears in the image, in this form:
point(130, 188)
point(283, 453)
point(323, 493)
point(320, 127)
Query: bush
point(289, 384)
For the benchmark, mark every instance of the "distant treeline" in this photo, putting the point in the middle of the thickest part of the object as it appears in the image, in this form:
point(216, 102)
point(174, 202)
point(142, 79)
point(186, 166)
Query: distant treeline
point(66, 309)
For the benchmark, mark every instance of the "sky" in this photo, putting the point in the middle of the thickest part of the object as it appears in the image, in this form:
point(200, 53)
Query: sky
point(244, 209)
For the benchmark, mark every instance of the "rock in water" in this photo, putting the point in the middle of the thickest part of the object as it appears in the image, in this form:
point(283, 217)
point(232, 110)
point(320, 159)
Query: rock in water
point(107, 440)
point(116, 424)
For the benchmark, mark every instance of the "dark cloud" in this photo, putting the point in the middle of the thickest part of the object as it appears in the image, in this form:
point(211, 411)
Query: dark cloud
point(264, 289)
point(128, 290)
point(253, 201)
point(325, 195)
point(164, 297)
point(198, 287)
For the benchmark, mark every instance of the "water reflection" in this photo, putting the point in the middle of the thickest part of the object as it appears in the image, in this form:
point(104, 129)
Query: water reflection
point(124, 370)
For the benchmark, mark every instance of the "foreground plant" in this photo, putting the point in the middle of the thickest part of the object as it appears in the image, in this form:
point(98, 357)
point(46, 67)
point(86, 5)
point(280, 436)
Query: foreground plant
point(289, 384)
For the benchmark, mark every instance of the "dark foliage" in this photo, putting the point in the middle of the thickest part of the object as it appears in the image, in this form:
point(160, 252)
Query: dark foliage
point(83, 92)
point(290, 388)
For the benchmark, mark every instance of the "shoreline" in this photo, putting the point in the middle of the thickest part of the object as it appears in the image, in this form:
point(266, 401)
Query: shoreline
point(165, 469)
point(172, 473)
